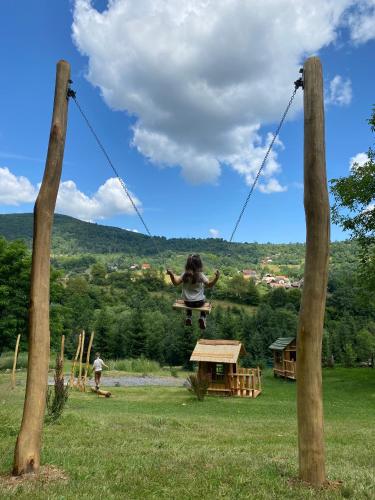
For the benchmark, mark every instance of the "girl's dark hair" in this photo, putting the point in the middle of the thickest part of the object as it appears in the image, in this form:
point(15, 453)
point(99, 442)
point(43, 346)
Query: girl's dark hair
point(193, 268)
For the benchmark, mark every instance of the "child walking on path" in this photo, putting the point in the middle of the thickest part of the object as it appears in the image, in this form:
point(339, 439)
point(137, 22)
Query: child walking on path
point(98, 367)
point(193, 283)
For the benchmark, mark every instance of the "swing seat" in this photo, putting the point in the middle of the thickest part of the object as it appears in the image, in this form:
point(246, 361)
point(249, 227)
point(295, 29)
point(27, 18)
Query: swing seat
point(180, 304)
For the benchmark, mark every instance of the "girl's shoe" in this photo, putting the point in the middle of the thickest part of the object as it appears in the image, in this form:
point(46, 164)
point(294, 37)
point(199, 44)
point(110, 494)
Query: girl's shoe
point(188, 321)
point(202, 323)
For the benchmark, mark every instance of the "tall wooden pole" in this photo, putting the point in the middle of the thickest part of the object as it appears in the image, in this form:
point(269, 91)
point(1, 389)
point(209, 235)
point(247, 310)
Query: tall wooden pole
point(62, 355)
point(75, 361)
point(311, 317)
point(79, 383)
point(15, 361)
point(88, 360)
point(27, 451)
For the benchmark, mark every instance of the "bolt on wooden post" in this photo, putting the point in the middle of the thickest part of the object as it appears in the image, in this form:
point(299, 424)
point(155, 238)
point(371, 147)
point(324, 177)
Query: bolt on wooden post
point(27, 450)
point(310, 327)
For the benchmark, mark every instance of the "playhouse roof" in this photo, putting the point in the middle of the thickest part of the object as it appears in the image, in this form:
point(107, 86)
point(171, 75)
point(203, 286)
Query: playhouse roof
point(217, 351)
point(281, 343)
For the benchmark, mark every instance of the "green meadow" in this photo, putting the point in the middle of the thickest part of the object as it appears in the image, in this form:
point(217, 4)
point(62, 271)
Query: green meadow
point(160, 442)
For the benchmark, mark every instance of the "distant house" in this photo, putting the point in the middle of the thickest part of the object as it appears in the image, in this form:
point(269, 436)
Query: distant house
point(112, 267)
point(284, 357)
point(297, 284)
point(218, 363)
point(249, 274)
point(133, 267)
point(145, 266)
point(268, 278)
point(267, 260)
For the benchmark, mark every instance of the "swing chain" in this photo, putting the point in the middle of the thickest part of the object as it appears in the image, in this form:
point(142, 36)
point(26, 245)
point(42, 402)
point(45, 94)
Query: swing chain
point(297, 84)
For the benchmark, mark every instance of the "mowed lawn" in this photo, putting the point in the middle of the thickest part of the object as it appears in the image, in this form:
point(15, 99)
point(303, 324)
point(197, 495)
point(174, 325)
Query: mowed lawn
point(159, 442)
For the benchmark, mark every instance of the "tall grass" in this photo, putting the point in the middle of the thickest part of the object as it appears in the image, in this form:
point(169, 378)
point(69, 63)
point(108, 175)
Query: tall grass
point(6, 360)
point(137, 365)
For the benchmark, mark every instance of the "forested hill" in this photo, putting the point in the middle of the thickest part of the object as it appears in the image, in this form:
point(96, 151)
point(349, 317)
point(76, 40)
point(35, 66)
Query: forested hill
point(72, 237)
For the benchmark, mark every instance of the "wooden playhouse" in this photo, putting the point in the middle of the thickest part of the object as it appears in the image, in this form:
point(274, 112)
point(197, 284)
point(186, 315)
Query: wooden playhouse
point(218, 362)
point(284, 357)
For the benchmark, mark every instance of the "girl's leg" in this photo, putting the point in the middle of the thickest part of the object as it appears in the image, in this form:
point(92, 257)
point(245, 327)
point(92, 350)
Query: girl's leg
point(188, 321)
point(202, 320)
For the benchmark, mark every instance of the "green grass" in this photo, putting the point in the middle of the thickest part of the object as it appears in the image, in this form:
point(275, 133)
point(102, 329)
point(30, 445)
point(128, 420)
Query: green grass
point(158, 442)
point(7, 358)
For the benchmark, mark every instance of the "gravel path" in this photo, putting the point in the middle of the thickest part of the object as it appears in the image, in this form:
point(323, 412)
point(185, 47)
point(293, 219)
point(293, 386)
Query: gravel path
point(134, 381)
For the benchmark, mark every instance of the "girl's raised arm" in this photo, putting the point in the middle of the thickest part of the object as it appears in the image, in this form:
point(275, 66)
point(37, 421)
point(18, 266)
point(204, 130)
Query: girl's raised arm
point(212, 282)
point(176, 280)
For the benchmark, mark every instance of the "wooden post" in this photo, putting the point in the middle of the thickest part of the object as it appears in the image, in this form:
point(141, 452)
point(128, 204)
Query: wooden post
point(62, 355)
point(15, 361)
point(27, 450)
point(88, 360)
point(311, 317)
point(75, 361)
point(79, 382)
point(259, 380)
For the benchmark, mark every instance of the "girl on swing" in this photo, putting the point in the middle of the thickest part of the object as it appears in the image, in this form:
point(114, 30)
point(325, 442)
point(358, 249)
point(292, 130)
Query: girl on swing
point(193, 283)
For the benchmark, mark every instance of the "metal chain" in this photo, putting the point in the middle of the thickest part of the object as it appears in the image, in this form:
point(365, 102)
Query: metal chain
point(297, 84)
point(73, 95)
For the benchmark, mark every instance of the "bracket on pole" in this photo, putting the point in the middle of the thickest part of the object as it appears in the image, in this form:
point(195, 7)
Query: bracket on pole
point(299, 83)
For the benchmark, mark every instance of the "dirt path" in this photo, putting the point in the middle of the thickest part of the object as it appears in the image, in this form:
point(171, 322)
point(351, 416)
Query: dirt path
point(134, 381)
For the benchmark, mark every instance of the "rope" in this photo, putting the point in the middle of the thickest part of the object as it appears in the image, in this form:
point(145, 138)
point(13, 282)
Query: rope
point(100, 144)
point(71, 93)
point(297, 84)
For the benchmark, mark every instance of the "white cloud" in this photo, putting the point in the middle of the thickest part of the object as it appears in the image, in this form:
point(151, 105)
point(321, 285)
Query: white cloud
point(272, 186)
point(361, 21)
point(214, 233)
point(15, 190)
point(358, 160)
point(200, 77)
point(340, 91)
point(108, 200)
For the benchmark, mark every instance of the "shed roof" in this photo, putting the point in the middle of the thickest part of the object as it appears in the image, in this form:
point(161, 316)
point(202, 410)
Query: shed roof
point(217, 351)
point(281, 343)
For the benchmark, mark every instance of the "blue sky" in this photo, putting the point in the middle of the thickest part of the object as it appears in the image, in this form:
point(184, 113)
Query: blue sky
point(183, 98)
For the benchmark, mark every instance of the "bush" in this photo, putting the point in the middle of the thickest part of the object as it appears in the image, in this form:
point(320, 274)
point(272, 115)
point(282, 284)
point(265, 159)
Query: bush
point(58, 396)
point(6, 360)
point(349, 356)
point(137, 365)
point(173, 371)
point(89, 371)
point(197, 386)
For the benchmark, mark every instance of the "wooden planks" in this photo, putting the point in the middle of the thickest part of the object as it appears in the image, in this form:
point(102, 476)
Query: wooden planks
point(180, 304)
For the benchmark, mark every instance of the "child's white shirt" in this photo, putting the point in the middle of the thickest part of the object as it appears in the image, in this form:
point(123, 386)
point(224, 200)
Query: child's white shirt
point(193, 292)
point(98, 365)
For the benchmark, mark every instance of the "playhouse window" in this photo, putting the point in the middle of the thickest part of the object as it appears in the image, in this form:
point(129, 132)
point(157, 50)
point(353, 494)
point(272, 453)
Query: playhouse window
point(219, 371)
point(278, 357)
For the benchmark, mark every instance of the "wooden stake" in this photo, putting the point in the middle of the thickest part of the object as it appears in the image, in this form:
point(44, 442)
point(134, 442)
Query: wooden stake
point(88, 360)
point(27, 450)
point(259, 379)
point(15, 361)
point(71, 383)
point(62, 355)
point(79, 382)
point(311, 317)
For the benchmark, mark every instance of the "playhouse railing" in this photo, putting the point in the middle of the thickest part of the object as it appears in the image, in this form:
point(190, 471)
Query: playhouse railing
point(246, 382)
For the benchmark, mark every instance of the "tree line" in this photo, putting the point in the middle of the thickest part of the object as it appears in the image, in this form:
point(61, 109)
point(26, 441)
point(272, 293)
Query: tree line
point(131, 313)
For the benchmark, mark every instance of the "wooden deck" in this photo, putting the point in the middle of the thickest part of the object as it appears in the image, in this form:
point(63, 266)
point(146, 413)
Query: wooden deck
point(286, 369)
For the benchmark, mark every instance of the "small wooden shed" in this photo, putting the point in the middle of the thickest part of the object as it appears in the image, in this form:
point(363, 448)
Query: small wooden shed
point(284, 357)
point(218, 362)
